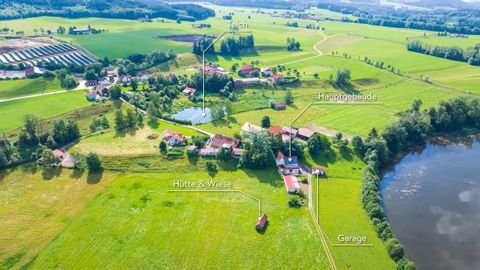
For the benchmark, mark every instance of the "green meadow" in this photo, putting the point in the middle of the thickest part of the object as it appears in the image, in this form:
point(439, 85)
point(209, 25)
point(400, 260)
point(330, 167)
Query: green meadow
point(12, 112)
point(25, 87)
point(127, 223)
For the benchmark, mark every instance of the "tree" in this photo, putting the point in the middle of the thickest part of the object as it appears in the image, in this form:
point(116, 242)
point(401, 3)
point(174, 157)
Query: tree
point(163, 147)
point(94, 162)
point(395, 249)
point(257, 151)
point(228, 107)
point(289, 98)
point(265, 122)
point(318, 143)
point(69, 82)
point(115, 92)
point(48, 158)
point(358, 145)
point(131, 120)
point(140, 119)
point(342, 77)
point(120, 123)
point(134, 84)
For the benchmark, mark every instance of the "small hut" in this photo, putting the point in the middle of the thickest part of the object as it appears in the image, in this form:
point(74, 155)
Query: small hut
point(261, 222)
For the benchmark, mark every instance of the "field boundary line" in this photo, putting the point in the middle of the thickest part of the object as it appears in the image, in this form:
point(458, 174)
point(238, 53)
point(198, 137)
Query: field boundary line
point(40, 95)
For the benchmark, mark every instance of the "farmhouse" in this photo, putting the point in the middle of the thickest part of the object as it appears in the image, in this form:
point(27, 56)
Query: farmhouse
point(277, 78)
point(290, 166)
point(101, 90)
point(219, 142)
point(291, 183)
point(267, 72)
point(249, 128)
point(214, 69)
point(79, 31)
point(90, 83)
point(188, 91)
point(318, 170)
point(305, 134)
point(245, 70)
point(125, 78)
point(173, 138)
point(275, 130)
point(261, 222)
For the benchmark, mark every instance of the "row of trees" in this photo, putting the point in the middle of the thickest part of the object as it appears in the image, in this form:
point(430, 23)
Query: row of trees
point(140, 61)
point(130, 120)
point(232, 46)
point(202, 44)
point(463, 21)
point(119, 9)
point(470, 55)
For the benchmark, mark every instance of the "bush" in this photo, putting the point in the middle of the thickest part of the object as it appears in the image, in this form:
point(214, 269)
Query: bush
point(395, 249)
point(211, 167)
point(94, 162)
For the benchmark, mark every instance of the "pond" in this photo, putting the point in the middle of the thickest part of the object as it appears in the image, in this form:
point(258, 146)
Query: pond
point(432, 200)
point(194, 114)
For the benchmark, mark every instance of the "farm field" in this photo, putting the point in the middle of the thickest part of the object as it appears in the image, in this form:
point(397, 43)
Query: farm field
point(36, 206)
point(42, 107)
point(127, 225)
point(348, 119)
point(25, 87)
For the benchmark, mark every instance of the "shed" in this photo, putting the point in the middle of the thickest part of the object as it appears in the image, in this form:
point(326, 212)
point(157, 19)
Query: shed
point(261, 222)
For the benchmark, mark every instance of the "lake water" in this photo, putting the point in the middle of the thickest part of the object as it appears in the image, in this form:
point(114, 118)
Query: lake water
point(432, 200)
point(195, 115)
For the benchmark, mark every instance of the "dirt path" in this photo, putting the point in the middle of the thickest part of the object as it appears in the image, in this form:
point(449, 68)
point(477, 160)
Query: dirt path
point(39, 95)
point(317, 51)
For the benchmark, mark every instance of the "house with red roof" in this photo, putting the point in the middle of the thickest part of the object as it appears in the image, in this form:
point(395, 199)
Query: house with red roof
point(245, 70)
point(277, 78)
point(188, 91)
point(173, 138)
point(291, 183)
point(275, 130)
point(318, 170)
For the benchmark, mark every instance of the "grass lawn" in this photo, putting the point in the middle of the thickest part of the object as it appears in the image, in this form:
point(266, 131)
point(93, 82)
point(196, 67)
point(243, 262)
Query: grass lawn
point(25, 87)
point(36, 206)
point(341, 211)
point(136, 223)
point(42, 107)
point(130, 143)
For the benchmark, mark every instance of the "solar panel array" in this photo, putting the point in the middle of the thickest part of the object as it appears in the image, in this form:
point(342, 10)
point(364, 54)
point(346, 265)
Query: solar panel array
point(63, 54)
